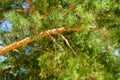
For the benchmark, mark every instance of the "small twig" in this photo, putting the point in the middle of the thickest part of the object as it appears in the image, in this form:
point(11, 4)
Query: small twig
point(74, 53)
point(54, 40)
point(17, 51)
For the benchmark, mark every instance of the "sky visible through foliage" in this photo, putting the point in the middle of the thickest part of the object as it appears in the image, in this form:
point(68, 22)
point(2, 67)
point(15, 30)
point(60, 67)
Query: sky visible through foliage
point(7, 26)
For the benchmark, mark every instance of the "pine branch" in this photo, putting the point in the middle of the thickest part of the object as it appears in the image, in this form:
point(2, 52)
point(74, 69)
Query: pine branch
point(42, 34)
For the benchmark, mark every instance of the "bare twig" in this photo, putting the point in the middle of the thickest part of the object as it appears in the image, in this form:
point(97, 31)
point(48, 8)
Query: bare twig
point(53, 39)
point(74, 53)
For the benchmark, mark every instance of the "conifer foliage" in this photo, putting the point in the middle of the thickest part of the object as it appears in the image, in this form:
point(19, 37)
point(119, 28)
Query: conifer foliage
point(59, 40)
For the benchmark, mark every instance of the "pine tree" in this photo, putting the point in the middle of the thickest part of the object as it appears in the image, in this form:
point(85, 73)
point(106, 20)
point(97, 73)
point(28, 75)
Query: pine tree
point(59, 40)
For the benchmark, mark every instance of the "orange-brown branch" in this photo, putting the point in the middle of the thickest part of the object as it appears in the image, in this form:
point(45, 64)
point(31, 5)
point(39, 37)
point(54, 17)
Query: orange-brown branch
point(15, 45)
point(42, 34)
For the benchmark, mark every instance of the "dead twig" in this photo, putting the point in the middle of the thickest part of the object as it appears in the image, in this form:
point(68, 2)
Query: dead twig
point(54, 40)
point(74, 53)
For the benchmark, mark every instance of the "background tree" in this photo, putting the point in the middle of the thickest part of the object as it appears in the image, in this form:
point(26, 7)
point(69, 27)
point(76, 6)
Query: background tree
point(91, 53)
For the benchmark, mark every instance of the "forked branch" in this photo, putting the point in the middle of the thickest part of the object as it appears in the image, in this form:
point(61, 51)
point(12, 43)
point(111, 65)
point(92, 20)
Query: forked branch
point(42, 34)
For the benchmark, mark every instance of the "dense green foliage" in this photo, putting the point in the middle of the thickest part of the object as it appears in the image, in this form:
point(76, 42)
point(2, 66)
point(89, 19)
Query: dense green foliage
point(43, 59)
